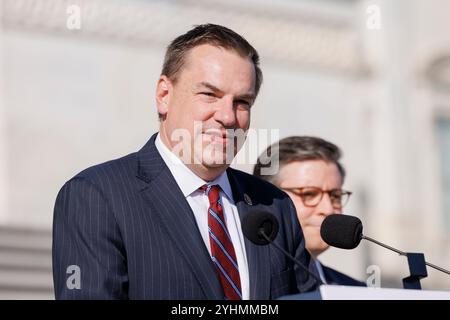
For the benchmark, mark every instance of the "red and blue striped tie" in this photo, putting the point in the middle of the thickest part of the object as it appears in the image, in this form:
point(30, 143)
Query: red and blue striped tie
point(222, 251)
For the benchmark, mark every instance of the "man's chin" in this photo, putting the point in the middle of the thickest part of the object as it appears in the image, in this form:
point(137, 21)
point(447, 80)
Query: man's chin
point(215, 164)
point(217, 159)
point(318, 247)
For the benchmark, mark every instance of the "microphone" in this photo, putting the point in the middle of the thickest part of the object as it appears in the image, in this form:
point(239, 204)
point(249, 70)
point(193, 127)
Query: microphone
point(261, 228)
point(342, 231)
point(346, 232)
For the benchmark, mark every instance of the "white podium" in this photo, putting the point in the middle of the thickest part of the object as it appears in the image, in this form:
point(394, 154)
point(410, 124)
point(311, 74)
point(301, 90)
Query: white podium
point(329, 292)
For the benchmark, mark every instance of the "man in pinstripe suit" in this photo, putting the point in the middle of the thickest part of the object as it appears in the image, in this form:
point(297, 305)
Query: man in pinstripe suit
point(165, 222)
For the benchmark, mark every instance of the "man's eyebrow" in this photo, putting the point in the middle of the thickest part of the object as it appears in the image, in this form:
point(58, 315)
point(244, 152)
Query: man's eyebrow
point(246, 96)
point(206, 85)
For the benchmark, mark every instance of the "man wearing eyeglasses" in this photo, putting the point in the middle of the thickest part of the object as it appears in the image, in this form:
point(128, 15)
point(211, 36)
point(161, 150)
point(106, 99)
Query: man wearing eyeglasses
point(310, 173)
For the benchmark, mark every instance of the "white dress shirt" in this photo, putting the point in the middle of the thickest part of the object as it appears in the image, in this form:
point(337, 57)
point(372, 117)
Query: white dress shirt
point(189, 184)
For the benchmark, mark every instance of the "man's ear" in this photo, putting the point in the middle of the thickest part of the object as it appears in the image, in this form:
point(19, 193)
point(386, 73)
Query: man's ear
point(163, 94)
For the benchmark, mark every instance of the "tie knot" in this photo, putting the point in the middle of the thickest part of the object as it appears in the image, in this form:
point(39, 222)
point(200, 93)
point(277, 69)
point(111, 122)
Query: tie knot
point(212, 191)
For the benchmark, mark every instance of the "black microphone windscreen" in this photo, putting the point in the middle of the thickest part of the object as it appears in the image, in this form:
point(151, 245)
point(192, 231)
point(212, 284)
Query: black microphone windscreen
point(341, 231)
point(256, 222)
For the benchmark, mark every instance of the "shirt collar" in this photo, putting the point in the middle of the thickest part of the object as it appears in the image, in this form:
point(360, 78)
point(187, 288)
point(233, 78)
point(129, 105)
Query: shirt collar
point(224, 184)
point(187, 180)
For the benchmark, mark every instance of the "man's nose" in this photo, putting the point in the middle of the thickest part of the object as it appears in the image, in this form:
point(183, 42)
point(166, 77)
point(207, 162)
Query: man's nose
point(226, 113)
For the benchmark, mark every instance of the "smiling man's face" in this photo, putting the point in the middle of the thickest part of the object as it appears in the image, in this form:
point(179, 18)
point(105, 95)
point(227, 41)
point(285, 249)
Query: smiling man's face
point(215, 89)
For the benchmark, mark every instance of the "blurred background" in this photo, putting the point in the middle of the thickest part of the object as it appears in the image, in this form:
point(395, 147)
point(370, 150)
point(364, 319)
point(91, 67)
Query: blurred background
point(77, 82)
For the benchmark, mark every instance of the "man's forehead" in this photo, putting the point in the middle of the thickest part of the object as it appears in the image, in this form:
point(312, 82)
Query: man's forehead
point(310, 170)
point(198, 53)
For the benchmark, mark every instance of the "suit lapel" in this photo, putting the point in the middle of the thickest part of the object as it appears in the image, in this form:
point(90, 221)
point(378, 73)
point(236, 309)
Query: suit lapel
point(258, 257)
point(165, 198)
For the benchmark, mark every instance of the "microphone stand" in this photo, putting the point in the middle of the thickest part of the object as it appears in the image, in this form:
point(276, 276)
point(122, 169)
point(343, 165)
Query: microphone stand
point(287, 254)
point(416, 262)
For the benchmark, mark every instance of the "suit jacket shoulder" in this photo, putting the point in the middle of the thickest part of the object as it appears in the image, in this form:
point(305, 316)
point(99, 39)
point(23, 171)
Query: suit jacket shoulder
point(261, 189)
point(110, 170)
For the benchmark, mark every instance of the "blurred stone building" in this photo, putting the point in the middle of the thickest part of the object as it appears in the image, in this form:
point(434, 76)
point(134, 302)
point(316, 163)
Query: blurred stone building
point(371, 76)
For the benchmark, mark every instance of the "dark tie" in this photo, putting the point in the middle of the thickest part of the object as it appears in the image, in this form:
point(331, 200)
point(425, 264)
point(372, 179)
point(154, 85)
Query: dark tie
point(222, 251)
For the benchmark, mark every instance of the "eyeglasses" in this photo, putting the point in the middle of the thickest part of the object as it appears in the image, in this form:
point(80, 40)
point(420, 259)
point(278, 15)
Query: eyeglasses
point(311, 196)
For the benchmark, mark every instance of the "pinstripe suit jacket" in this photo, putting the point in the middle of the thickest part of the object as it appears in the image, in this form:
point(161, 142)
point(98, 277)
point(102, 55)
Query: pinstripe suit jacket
point(127, 226)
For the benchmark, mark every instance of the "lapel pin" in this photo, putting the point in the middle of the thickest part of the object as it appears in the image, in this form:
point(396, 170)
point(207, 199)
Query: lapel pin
point(247, 199)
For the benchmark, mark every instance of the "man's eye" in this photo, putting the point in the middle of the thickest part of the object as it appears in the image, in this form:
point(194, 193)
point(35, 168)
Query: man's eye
point(336, 194)
point(209, 94)
point(242, 103)
point(309, 194)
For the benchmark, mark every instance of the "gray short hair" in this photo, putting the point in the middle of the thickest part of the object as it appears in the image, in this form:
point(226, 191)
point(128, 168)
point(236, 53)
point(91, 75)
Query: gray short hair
point(298, 148)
